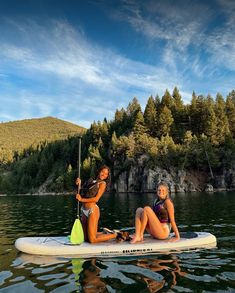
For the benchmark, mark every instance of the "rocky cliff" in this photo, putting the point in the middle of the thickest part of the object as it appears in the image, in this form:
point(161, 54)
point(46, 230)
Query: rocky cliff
point(145, 180)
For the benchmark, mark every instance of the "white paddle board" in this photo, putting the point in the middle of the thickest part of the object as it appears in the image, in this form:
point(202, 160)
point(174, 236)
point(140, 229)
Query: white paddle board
point(61, 246)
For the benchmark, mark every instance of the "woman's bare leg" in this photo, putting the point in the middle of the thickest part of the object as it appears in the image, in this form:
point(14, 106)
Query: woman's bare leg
point(84, 226)
point(92, 227)
point(155, 228)
point(140, 224)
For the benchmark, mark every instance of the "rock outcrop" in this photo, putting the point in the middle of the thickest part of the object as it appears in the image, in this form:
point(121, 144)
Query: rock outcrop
point(145, 180)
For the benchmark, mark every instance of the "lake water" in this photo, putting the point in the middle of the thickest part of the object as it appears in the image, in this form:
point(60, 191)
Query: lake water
point(210, 270)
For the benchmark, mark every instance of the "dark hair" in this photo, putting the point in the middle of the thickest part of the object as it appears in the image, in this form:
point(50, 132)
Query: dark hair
point(108, 179)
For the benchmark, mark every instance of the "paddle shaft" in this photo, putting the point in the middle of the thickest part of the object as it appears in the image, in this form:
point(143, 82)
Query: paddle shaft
point(79, 168)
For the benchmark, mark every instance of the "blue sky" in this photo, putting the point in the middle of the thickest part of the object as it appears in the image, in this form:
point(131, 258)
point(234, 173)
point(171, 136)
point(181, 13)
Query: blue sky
point(81, 60)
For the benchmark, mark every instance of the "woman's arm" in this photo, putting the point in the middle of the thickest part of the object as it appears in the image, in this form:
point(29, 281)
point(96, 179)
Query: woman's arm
point(171, 212)
point(101, 190)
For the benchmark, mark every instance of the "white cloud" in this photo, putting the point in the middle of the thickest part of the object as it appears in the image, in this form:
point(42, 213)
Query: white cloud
point(17, 54)
point(65, 74)
point(183, 26)
point(178, 22)
point(221, 42)
point(80, 72)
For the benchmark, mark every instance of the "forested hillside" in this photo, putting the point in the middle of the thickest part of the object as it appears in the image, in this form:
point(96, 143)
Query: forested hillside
point(22, 136)
point(166, 133)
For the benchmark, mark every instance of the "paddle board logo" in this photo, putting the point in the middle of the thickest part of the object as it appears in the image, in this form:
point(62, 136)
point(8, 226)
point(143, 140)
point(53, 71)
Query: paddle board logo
point(128, 251)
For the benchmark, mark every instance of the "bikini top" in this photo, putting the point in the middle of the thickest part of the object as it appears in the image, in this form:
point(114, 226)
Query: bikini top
point(90, 188)
point(161, 211)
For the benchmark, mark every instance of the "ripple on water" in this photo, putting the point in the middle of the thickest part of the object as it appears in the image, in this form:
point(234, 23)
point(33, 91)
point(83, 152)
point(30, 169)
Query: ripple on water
point(227, 276)
point(4, 275)
point(192, 271)
point(22, 287)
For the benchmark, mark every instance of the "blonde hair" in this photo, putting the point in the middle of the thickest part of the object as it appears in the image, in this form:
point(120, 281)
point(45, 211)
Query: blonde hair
point(165, 185)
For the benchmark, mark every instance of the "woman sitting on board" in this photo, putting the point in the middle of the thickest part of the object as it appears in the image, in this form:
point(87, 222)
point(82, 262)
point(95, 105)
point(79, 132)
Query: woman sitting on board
point(92, 192)
point(157, 220)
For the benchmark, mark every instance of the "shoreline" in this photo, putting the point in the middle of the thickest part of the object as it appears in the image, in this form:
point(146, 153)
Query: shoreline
point(121, 192)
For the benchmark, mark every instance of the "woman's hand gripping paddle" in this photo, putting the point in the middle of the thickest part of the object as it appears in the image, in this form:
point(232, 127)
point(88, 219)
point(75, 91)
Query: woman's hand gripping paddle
point(77, 235)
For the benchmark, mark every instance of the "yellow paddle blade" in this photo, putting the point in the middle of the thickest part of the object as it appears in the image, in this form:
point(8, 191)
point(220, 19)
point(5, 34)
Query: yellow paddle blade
point(77, 235)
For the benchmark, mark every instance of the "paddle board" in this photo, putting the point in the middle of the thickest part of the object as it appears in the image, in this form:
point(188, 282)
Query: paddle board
point(61, 246)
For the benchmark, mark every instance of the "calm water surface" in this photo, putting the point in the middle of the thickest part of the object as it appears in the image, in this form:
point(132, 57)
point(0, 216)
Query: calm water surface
point(195, 271)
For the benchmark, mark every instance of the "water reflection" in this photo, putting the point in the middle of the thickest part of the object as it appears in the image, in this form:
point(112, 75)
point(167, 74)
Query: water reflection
point(157, 265)
point(96, 275)
point(194, 271)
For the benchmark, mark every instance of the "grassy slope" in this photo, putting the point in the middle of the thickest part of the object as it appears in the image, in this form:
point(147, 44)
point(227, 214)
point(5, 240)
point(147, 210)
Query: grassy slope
point(19, 135)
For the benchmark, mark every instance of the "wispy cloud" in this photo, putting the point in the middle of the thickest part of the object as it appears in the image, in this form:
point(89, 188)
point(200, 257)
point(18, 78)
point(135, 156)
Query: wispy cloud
point(183, 27)
point(51, 68)
point(81, 73)
point(176, 22)
point(221, 43)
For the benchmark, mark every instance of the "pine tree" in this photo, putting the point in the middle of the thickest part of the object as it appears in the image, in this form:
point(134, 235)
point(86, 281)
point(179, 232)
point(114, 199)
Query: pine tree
point(222, 120)
point(193, 113)
point(139, 126)
point(86, 168)
point(69, 178)
point(167, 100)
point(165, 121)
point(133, 109)
point(198, 114)
point(230, 111)
point(211, 121)
point(232, 96)
point(178, 103)
point(150, 116)
point(167, 150)
point(180, 119)
point(120, 122)
point(157, 102)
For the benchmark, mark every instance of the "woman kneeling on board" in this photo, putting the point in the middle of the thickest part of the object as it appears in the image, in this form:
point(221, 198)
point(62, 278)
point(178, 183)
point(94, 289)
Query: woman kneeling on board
point(92, 192)
point(158, 220)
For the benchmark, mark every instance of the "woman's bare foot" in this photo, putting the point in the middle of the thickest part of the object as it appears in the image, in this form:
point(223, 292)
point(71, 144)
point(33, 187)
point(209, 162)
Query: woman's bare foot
point(136, 239)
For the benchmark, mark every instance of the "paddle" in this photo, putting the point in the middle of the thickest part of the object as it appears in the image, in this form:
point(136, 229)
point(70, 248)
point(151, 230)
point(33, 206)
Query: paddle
point(77, 235)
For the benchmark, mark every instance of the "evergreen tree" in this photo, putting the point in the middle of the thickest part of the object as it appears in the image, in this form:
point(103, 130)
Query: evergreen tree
point(167, 151)
point(86, 168)
point(167, 100)
point(25, 183)
point(105, 133)
point(195, 136)
point(165, 121)
point(180, 119)
point(157, 102)
point(123, 151)
point(139, 127)
point(69, 178)
point(178, 103)
point(59, 184)
point(193, 113)
point(227, 157)
point(198, 114)
point(95, 132)
point(133, 109)
point(222, 120)
point(232, 96)
point(150, 116)
point(230, 111)
point(211, 121)
point(119, 123)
